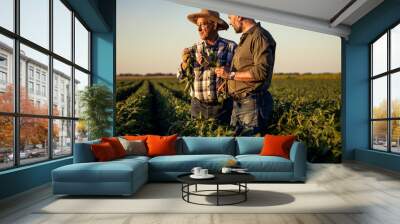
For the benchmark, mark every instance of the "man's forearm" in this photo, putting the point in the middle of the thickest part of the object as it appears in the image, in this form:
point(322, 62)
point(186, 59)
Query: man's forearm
point(244, 76)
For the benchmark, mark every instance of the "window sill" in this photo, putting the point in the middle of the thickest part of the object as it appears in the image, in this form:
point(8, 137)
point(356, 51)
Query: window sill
point(30, 166)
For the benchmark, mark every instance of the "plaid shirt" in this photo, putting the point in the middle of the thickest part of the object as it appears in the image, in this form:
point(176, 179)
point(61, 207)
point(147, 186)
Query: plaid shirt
point(207, 57)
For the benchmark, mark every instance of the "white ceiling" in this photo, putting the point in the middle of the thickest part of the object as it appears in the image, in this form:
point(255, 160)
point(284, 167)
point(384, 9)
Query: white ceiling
point(314, 15)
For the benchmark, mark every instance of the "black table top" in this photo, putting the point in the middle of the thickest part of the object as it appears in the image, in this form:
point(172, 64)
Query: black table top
point(220, 178)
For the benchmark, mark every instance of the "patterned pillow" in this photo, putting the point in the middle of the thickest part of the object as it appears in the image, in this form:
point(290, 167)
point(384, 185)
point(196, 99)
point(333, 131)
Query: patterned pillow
point(134, 147)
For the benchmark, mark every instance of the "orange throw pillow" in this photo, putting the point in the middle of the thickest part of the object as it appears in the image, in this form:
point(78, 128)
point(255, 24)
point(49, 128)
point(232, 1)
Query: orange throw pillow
point(135, 137)
point(103, 152)
point(161, 145)
point(116, 145)
point(277, 145)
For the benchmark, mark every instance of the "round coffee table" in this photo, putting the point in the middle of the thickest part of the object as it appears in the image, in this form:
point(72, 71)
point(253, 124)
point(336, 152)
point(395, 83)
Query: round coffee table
point(238, 179)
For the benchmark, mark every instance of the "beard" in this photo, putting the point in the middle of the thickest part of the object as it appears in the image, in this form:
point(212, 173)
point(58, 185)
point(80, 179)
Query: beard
point(237, 29)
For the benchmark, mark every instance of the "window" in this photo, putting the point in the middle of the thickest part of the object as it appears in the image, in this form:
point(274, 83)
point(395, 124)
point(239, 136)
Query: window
point(44, 91)
point(38, 89)
point(62, 31)
point(3, 72)
point(7, 14)
point(37, 74)
point(62, 74)
point(30, 88)
point(6, 142)
point(47, 77)
point(3, 78)
point(30, 72)
point(385, 94)
point(81, 45)
point(62, 137)
point(35, 22)
point(3, 61)
point(6, 73)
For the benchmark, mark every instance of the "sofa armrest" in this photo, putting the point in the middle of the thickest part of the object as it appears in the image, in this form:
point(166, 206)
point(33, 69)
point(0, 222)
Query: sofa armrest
point(83, 152)
point(298, 155)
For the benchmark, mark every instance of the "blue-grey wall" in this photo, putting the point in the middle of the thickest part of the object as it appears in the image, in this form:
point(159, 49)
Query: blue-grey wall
point(356, 72)
point(24, 178)
point(100, 17)
point(104, 52)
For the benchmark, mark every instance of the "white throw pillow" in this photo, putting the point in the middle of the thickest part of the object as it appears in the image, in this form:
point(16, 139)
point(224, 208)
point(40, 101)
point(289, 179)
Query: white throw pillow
point(135, 147)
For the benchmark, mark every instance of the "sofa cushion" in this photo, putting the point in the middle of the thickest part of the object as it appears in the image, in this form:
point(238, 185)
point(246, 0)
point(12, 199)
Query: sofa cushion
point(257, 163)
point(277, 145)
point(112, 171)
point(134, 147)
point(116, 145)
point(161, 145)
point(103, 152)
point(249, 145)
point(185, 163)
point(207, 145)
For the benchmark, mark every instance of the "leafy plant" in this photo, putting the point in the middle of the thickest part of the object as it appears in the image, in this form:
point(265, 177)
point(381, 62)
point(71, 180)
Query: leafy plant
point(307, 106)
point(97, 102)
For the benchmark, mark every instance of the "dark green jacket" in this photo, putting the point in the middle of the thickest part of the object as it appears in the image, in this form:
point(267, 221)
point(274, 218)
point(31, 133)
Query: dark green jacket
point(255, 53)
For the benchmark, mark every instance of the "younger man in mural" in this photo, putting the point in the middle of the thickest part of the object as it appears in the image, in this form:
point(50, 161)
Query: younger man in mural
point(248, 83)
point(199, 63)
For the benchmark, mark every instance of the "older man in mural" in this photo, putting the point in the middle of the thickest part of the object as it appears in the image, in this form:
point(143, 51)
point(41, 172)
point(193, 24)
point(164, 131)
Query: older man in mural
point(251, 76)
point(199, 63)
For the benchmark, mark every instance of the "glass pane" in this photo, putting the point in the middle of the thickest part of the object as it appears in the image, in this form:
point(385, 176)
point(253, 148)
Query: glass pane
point(379, 97)
point(62, 138)
point(33, 139)
point(395, 138)
point(379, 135)
point(34, 97)
point(35, 21)
point(7, 14)
point(62, 89)
point(395, 47)
point(6, 74)
point(379, 55)
point(395, 94)
point(81, 81)
point(62, 29)
point(81, 45)
point(6, 142)
point(81, 131)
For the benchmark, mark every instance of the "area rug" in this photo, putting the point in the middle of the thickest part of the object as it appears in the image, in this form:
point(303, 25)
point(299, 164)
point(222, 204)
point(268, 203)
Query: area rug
point(167, 198)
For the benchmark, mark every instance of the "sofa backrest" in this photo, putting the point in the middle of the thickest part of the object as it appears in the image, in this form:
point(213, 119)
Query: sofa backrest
point(249, 145)
point(190, 146)
point(83, 152)
point(206, 145)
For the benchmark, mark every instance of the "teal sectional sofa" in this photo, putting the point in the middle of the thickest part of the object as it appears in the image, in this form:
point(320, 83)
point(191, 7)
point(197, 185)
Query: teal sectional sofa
point(125, 176)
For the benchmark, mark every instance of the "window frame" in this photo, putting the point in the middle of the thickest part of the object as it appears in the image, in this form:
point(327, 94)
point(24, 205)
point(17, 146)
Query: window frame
point(388, 74)
point(16, 114)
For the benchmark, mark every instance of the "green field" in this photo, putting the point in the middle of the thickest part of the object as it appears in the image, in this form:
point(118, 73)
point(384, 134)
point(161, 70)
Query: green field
point(307, 106)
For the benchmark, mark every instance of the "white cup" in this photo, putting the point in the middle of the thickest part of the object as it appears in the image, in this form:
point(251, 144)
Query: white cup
point(226, 170)
point(203, 172)
point(196, 171)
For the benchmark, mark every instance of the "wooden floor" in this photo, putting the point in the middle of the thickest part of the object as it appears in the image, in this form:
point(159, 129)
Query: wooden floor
point(378, 189)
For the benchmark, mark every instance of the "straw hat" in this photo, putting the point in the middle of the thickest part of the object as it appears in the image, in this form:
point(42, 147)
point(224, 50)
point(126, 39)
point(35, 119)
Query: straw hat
point(209, 14)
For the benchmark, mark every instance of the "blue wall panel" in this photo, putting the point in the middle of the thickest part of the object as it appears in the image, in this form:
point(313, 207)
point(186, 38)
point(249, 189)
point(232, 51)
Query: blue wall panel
point(356, 85)
point(24, 178)
point(103, 66)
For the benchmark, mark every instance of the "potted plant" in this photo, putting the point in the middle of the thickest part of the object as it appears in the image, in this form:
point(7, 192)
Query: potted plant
point(96, 102)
